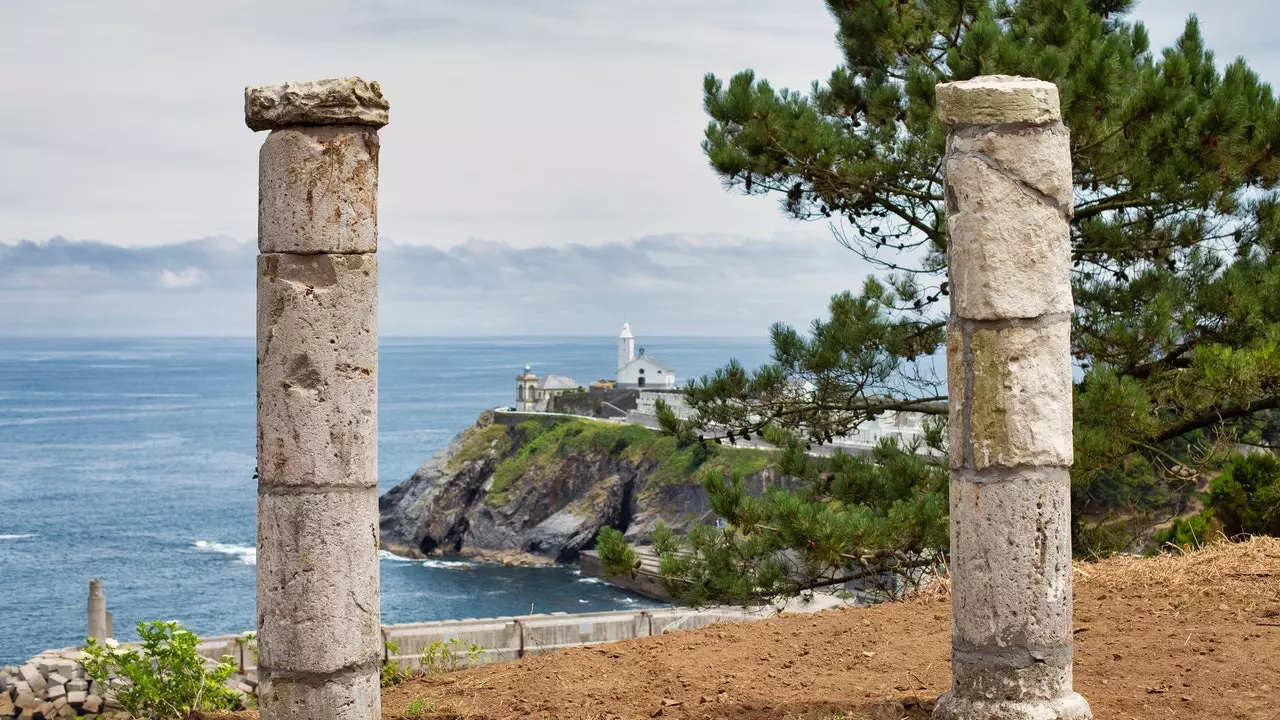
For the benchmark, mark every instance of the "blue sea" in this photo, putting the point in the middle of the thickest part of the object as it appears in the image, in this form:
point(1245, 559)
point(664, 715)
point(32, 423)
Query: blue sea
point(132, 461)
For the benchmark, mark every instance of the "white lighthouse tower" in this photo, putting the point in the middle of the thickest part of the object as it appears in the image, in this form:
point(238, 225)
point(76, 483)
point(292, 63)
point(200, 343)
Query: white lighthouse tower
point(626, 346)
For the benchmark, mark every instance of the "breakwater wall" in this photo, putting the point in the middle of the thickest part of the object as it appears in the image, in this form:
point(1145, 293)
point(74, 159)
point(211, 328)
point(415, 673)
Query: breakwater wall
point(510, 638)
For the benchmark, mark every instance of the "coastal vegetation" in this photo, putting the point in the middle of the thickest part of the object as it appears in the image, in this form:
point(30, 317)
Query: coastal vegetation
point(164, 677)
point(1176, 329)
point(541, 446)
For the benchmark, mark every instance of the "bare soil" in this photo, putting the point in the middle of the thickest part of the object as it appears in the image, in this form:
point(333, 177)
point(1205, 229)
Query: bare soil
point(1196, 636)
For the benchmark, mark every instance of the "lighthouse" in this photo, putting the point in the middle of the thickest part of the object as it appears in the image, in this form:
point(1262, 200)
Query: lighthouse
point(626, 346)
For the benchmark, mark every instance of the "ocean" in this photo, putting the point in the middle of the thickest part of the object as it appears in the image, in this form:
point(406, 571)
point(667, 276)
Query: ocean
point(132, 461)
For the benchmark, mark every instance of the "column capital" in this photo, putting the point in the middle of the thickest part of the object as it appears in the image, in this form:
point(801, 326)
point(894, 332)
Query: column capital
point(335, 101)
point(997, 100)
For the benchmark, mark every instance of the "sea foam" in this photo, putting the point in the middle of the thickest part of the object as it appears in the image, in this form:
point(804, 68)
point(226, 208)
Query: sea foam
point(246, 554)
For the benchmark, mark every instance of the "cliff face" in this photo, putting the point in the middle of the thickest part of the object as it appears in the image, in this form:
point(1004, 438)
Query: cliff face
point(545, 487)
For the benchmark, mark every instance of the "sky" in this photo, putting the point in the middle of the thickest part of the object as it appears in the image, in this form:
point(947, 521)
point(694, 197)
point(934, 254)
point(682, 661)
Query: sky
point(526, 136)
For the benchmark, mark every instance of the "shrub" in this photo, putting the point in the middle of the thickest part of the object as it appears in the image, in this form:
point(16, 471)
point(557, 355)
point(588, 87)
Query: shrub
point(1246, 497)
point(165, 678)
point(444, 656)
point(391, 673)
point(1188, 533)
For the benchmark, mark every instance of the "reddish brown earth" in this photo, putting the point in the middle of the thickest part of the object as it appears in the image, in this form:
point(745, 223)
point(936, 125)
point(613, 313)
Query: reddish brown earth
point(1186, 637)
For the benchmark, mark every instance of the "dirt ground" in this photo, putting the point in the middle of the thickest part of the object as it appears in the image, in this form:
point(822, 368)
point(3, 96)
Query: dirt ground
point(1188, 637)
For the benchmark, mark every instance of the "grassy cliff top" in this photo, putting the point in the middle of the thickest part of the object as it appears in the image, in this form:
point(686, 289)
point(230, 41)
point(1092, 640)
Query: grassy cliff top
point(536, 446)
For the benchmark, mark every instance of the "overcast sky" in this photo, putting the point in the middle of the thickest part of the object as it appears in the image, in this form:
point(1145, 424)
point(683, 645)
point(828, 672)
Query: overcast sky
point(515, 125)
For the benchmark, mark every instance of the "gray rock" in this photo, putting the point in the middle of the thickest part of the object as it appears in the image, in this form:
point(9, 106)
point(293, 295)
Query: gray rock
point(337, 101)
point(79, 684)
point(92, 703)
point(448, 506)
point(76, 697)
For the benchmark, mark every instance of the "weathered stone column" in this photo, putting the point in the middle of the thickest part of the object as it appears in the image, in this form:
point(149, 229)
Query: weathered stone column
point(319, 642)
point(1008, 195)
point(97, 611)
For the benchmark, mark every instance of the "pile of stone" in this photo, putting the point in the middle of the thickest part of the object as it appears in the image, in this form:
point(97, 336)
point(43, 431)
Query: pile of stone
point(53, 685)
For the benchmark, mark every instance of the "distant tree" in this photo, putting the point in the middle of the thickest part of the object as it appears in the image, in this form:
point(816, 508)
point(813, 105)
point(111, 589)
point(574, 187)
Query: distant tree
point(1176, 280)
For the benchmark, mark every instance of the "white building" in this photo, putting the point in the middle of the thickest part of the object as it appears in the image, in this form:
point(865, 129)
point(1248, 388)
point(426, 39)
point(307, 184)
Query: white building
point(533, 392)
point(638, 370)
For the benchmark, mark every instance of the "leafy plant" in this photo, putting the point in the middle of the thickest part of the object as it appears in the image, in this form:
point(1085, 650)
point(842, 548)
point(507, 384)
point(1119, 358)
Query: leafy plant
point(164, 678)
point(414, 708)
point(391, 673)
point(444, 656)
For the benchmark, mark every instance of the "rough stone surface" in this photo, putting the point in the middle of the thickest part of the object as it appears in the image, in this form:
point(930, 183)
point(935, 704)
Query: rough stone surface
point(1011, 560)
point(317, 190)
point(998, 99)
point(336, 101)
point(1020, 410)
point(1067, 707)
point(1010, 251)
point(317, 370)
point(353, 697)
point(1037, 156)
point(958, 395)
point(318, 581)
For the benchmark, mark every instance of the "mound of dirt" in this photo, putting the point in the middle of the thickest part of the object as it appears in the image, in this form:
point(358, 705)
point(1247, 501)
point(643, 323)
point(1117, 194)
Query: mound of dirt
point(1196, 636)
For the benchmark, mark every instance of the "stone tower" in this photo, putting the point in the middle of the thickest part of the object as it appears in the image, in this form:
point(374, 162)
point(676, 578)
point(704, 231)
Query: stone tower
point(626, 346)
point(525, 384)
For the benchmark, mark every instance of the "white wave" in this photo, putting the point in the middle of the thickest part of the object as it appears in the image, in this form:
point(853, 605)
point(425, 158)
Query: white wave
point(447, 564)
point(246, 554)
point(18, 536)
point(392, 557)
point(584, 602)
point(627, 601)
point(591, 580)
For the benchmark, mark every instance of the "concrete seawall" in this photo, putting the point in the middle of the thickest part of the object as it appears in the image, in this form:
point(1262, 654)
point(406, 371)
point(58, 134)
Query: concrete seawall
point(511, 638)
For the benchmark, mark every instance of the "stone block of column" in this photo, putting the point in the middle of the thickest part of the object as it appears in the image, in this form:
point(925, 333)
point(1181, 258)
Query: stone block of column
point(1017, 404)
point(317, 369)
point(334, 101)
point(346, 697)
point(998, 100)
point(318, 581)
point(317, 190)
point(1009, 249)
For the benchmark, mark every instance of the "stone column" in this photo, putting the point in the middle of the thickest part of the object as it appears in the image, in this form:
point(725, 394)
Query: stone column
point(97, 611)
point(319, 642)
point(1008, 195)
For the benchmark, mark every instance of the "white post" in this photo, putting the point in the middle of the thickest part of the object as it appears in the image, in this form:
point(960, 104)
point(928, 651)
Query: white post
point(97, 612)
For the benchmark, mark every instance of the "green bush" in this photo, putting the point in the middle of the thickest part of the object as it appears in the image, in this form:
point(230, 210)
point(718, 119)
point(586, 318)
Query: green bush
point(1188, 533)
point(1245, 498)
point(165, 678)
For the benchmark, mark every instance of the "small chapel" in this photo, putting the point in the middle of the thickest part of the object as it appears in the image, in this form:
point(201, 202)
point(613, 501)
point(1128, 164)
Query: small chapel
point(635, 370)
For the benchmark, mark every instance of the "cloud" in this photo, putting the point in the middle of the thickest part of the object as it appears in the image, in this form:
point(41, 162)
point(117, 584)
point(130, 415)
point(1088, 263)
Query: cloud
point(673, 284)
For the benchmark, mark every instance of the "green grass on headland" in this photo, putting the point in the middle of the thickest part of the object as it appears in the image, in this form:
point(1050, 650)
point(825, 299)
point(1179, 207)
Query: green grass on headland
point(541, 447)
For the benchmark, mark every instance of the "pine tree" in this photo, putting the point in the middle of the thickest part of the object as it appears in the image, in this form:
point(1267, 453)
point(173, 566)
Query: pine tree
point(1176, 279)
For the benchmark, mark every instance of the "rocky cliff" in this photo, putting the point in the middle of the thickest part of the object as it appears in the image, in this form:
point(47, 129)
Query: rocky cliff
point(543, 487)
